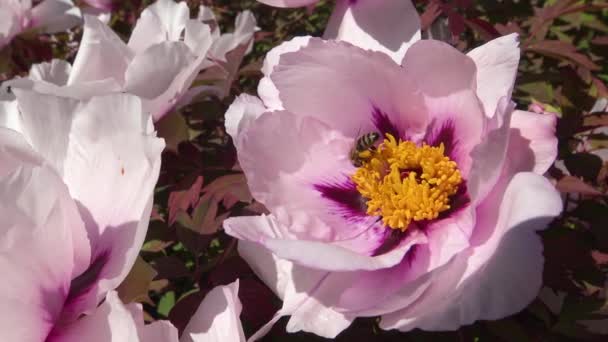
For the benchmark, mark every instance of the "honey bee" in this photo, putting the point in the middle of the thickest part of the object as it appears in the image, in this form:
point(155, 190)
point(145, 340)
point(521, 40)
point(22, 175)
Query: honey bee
point(363, 144)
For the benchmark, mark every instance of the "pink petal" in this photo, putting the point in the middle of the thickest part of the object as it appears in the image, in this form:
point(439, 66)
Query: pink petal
point(291, 183)
point(111, 168)
point(56, 72)
point(294, 284)
point(104, 5)
point(288, 3)
point(9, 115)
point(110, 159)
point(197, 37)
point(111, 321)
point(162, 21)
point(9, 25)
point(501, 274)
point(168, 58)
point(343, 85)
point(268, 232)
point(51, 78)
point(244, 28)
point(267, 91)
point(217, 318)
point(388, 26)
point(55, 15)
point(101, 55)
point(439, 69)
point(537, 131)
point(457, 121)
point(489, 156)
point(241, 113)
point(159, 331)
point(496, 63)
point(42, 245)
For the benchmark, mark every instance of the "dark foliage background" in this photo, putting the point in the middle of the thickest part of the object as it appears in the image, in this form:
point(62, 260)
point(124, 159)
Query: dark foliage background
point(563, 70)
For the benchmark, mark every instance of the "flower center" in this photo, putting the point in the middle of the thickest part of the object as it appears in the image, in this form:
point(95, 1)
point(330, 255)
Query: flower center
point(403, 182)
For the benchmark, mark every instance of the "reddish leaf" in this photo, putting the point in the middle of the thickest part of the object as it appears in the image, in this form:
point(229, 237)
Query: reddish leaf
point(563, 50)
point(576, 185)
point(602, 90)
point(595, 120)
point(584, 165)
point(509, 28)
point(430, 14)
point(182, 200)
point(603, 40)
point(599, 257)
point(135, 286)
point(456, 23)
point(259, 302)
point(194, 241)
point(226, 188)
point(184, 309)
point(170, 267)
point(484, 28)
point(543, 17)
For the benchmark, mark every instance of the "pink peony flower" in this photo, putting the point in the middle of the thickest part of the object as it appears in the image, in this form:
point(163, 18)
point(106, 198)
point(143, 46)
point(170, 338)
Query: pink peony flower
point(389, 26)
point(77, 184)
point(432, 228)
point(49, 16)
point(164, 37)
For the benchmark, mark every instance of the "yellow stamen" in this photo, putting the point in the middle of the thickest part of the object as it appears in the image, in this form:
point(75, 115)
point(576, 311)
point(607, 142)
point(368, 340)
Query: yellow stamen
point(403, 182)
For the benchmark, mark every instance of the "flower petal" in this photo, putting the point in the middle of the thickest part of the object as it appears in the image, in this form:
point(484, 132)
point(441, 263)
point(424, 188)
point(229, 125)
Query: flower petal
point(55, 15)
point(267, 91)
point(56, 72)
point(344, 85)
point(42, 245)
point(537, 131)
point(244, 27)
point(496, 63)
point(101, 55)
point(296, 285)
point(388, 26)
point(241, 113)
point(288, 3)
point(456, 121)
point(168, 58)
point(9, 115)
point(162, 21)
point(318, 255)
point(111, 321)
point(217, 318)
point(159, 331)
point(292, 184)
point(489, 156)
point(501, 274)
point(439, 69)
point(110, 161)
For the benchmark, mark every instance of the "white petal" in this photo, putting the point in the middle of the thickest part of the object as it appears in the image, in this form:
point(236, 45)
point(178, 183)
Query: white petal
point(217, 318)
point(388, 26)
point(496, 63)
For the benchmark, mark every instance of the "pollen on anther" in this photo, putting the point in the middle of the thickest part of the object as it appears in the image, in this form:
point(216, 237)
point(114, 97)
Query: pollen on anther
point(403, 182)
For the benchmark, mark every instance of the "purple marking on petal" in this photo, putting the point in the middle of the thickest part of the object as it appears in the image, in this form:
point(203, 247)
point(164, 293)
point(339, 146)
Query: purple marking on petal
point(82, 285)
point(384, 124)
point(349, 202)
point(88, 278)
point(458, 201)
point(391, 240)
point(446, 134)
